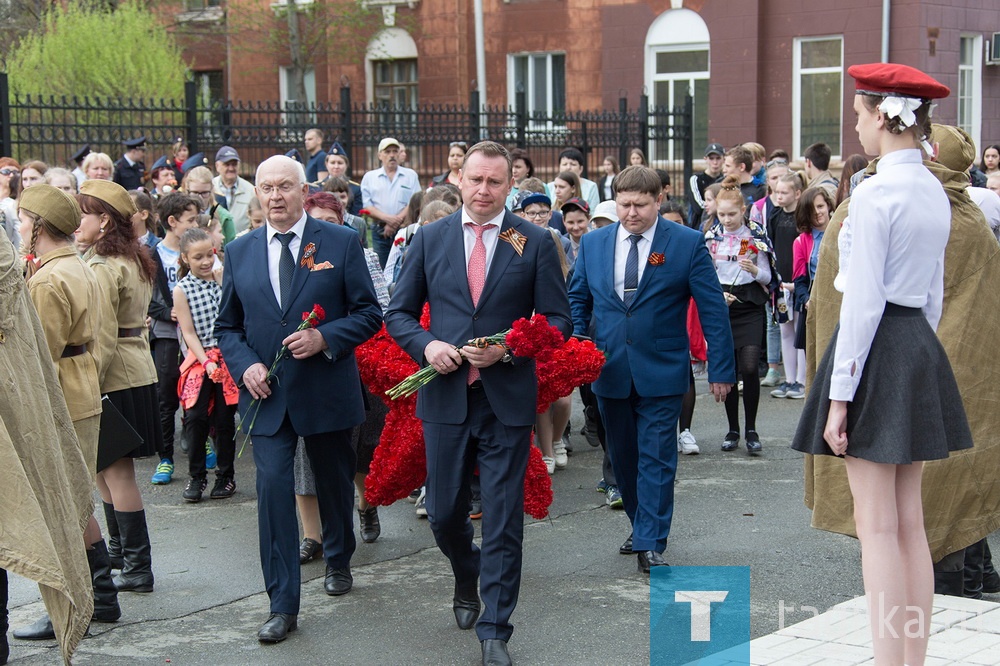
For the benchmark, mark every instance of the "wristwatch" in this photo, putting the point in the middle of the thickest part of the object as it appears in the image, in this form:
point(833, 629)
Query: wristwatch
point(507, 356)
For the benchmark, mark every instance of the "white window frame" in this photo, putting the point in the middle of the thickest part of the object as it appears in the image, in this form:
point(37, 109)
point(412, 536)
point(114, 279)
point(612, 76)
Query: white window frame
point(975, 96)
point(797, 73)
point(310, 91)
point(671, 78)
point(529, 86)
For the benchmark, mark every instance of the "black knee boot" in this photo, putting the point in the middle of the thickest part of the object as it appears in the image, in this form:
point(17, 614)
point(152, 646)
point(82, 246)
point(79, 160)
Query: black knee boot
point(948, 574)
point(137, 572)
point(973, 571)
point(991, 579)
point(106, 608)
point(4, 647)
point(114, 537)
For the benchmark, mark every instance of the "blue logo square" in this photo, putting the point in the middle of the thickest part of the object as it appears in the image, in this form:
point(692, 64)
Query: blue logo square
point(699, 615)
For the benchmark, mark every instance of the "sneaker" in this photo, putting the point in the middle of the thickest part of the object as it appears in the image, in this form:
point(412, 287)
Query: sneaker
point(476, 507)
point(739, 386)
point(731, 442)
point(211, 460)
point(602, 486)
point(687, 444)
point(550, 464)
point(164, 473)
point(772, 378)
point(224, 487)
point(559, 454)
point(421, 503)
point(195, 488)
point(781, 391)
point(414, 496)
point(614, 498)
point(796, 391)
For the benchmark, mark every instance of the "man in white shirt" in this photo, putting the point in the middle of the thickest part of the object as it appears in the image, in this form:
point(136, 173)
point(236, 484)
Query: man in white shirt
point(386, 191)
point(572, 159)
point(237, 192)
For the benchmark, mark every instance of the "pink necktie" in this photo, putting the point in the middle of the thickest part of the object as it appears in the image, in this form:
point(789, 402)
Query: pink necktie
point(477, 275)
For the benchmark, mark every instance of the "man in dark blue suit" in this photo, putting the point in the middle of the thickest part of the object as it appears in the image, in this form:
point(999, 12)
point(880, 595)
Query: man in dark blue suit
point(635, 279)
point(480, 269)
point(273, 275)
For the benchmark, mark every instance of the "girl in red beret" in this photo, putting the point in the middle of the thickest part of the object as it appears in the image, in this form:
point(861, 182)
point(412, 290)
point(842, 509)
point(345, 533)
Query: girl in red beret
point(883, 404)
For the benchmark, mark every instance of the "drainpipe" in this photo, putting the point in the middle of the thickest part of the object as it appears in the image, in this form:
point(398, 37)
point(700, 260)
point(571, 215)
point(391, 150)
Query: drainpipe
point(886, 7)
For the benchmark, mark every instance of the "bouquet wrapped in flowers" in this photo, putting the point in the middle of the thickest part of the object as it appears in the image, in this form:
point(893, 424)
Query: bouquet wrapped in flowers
point(399, 463)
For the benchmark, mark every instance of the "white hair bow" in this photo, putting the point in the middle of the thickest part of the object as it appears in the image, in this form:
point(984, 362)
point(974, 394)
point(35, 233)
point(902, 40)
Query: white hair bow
point(902, 108)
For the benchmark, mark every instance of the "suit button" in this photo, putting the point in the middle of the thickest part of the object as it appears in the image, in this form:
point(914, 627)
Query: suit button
point(284, 323)
point(628, 314)
point(628, 342)
point(475, 317)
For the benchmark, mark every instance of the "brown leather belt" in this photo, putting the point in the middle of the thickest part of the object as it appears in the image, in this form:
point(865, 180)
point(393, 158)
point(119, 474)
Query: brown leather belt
point(130, 332)
point(73, 350)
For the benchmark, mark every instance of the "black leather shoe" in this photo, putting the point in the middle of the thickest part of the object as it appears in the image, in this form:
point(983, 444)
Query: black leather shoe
point(39, 630)
point(309, 550)
point(753, 443)
point(495, 653)
point(626, 548)
point(338, 581)
point(650, 558)
point(277, 628)
point(371, 528)
point(731, 442)
point(466, 607)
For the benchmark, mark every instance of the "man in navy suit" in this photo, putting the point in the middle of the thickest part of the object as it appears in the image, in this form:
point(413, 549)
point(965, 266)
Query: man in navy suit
point(272, 276)
point(635, 279)
point(481, 269)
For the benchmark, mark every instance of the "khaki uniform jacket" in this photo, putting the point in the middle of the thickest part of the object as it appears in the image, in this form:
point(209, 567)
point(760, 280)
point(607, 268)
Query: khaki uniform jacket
point(71, 306)
point(961, 494)
point(45, 486)
point(129, 363)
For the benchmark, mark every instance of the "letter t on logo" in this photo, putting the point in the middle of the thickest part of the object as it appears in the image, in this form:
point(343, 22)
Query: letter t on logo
point(701, 610)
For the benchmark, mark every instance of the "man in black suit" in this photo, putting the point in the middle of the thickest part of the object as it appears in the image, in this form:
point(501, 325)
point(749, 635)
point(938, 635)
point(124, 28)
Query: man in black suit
point(479, 278)
point(272, 274)
point(129, 170)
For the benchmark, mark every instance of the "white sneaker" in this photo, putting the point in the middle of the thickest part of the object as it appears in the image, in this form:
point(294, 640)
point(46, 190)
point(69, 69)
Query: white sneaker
point(550, 464)
point(687, 444)
point(422, 503)
point(559, 454)
point(772, 378)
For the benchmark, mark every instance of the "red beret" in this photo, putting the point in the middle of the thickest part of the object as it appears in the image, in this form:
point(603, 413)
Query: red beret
point(886, 78)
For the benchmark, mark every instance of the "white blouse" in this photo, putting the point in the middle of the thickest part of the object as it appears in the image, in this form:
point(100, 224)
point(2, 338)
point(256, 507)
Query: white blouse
point(895, 235)
point(726, 257)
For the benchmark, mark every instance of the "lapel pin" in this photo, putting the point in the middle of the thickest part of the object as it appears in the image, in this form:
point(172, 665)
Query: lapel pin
point(308, 259)
point(656, 259)
point(516, 240)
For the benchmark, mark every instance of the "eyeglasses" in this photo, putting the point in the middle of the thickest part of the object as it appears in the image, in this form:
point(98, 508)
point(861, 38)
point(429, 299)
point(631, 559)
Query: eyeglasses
point(8, 172)
point(204, 193)
point(285, 188)
point(538, 214)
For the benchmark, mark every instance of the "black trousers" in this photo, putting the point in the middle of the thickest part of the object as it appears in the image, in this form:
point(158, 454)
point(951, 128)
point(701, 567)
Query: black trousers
point(197, 424)
point(167, 358)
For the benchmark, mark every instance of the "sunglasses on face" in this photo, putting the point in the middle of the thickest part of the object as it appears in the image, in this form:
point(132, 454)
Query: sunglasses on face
point(8, 172)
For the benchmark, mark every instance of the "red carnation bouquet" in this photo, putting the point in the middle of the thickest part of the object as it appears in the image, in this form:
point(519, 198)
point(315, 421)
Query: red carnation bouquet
point(310, 319)
point(399, 464)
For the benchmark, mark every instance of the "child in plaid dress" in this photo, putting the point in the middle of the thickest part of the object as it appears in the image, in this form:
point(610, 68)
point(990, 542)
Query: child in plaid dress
point(206, 389)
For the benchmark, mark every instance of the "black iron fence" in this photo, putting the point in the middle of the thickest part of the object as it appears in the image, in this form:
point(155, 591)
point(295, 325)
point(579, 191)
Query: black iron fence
point(53, 128)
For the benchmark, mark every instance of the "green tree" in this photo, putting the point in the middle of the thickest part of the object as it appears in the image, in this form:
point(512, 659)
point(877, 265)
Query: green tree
point(90, 48)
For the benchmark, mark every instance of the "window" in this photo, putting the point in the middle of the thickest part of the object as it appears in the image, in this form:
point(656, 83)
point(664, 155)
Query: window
point(542, 77)
point(676, 65)
point(970, 82)
point(817, 92)
point(396, 83)
point(297, 111)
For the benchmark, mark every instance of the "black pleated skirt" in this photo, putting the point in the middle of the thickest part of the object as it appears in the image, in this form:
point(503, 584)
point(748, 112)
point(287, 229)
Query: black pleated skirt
point(141, 408)
point(907, 407)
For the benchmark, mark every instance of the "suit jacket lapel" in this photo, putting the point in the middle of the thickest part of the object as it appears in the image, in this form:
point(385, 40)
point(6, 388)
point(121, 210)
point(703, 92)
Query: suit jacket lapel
point(610, 244)
point(309, 235)
point(502, 256)
point(258, 264)
point(454, 240)
point(661, 240)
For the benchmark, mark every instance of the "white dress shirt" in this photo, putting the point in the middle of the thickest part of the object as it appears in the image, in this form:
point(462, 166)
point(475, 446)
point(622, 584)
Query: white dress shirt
point(622, 247)
point(274, 249)
point(900, 220)
point(490, 238)
point(726, 257)
point(988, 202)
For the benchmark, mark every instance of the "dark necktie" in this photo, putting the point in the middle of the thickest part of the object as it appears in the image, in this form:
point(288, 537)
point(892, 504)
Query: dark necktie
point(632, 269)
point(286, 266)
